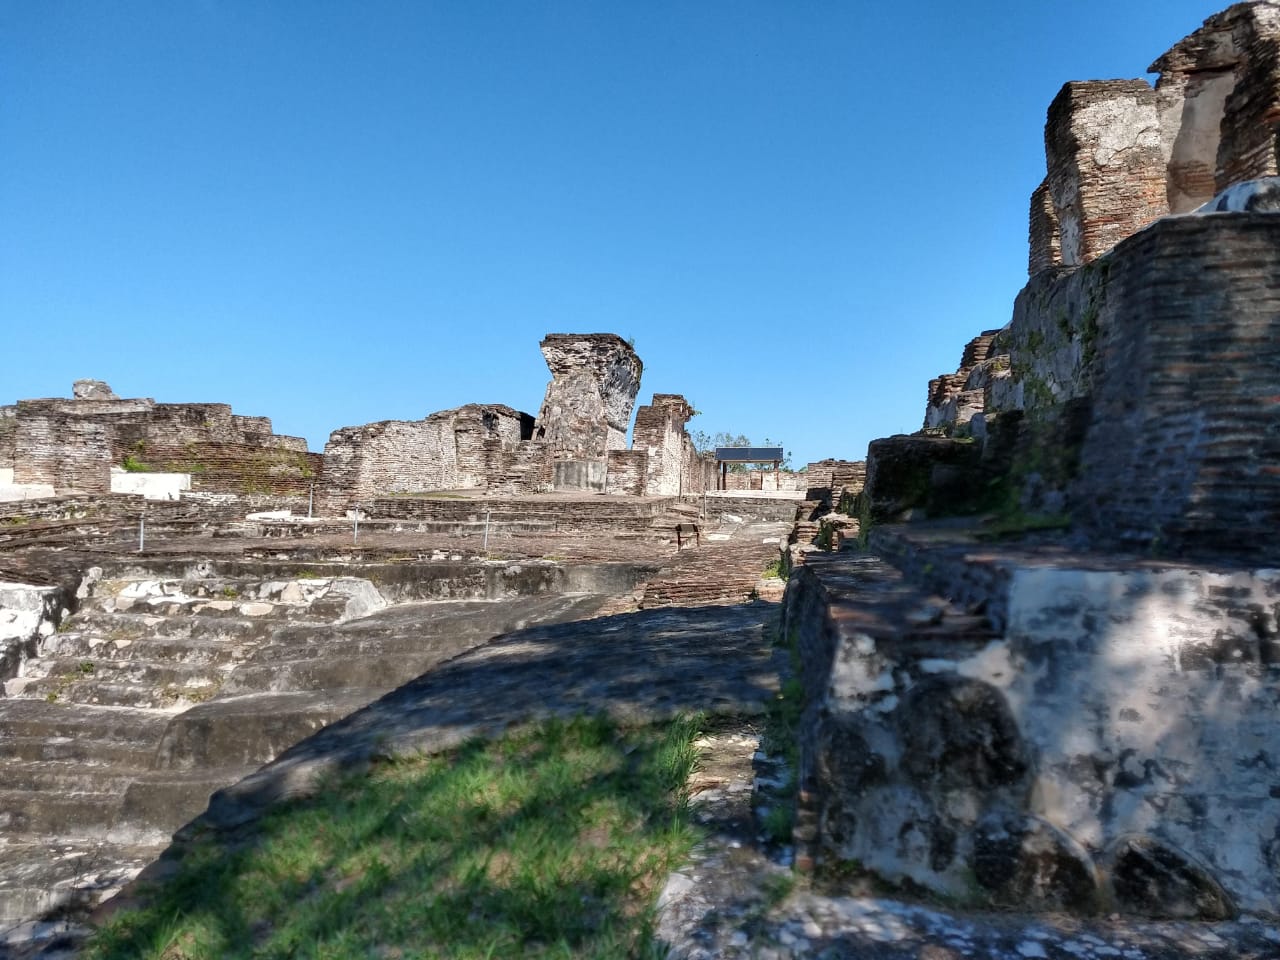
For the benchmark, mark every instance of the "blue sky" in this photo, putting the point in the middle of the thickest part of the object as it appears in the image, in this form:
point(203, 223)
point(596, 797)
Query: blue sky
point(333, 213)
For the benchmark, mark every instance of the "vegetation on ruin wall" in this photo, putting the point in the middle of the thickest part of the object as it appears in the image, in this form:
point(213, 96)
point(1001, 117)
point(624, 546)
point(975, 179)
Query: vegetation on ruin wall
point(552, 842)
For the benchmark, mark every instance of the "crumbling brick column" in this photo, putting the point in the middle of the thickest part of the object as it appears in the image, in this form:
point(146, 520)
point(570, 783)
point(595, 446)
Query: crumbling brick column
point(1106, 166)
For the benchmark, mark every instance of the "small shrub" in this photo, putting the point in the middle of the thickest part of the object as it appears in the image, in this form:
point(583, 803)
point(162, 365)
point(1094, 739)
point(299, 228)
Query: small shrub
point(133, 465)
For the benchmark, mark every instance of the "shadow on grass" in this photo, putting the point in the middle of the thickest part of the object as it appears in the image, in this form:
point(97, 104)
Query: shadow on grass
point(551, 842)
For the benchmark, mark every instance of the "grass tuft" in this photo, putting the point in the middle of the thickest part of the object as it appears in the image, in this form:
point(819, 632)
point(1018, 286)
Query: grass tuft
point(552, 842)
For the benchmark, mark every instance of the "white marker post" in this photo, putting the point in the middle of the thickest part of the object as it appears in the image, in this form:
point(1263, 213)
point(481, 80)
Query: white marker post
point(355, 533)
point(486, 532)
point(142, 529)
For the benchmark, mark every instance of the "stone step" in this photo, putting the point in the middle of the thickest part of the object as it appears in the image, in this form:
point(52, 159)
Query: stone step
point(86, 647)
point(123, 726)
point(234, 587)
point(44, 878)
point(162, 801)
point(81, 816)
point(172, 696)
point(242, 731)
point(201, 607)
point(374, 670)
point(64, 671)
point(116, 627)
point(64, 778)
point(82, 750)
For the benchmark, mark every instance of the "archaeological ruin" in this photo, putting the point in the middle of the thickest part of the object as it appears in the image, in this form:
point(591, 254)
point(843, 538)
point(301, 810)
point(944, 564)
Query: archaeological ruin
point(1079, 710)
point(1031, 651)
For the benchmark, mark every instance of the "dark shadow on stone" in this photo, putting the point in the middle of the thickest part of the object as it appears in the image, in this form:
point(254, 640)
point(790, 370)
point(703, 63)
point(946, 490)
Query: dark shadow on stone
point(1153, 879)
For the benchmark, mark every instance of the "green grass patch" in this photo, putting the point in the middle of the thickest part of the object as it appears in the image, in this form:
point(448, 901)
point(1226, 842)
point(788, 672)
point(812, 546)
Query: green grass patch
point(552, 842)
point(133, 465)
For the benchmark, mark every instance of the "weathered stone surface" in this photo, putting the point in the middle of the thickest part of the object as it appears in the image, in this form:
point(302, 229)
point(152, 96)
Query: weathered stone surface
point(1117, 701)
point(450, 450)
point(92, 390)
point(27, 613)
point(587, 408)
point(1025, 862)
point(673, 466)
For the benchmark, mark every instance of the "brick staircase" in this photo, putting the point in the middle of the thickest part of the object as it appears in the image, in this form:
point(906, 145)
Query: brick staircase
point(717, 571)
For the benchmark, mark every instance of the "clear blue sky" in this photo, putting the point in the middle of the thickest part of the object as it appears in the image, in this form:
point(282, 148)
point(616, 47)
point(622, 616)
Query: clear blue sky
point(333, 213)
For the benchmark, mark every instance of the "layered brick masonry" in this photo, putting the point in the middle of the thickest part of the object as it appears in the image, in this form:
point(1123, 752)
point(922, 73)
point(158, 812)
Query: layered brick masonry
point(577, 442)
point(1139, 370)
point(1119, 154)
point(73, 444)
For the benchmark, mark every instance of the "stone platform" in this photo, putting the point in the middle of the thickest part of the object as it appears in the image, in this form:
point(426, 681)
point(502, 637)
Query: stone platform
point(1088, 733)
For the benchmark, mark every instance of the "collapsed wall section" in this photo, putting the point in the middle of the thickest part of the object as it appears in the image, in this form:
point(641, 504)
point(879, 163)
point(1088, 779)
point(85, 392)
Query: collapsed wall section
point(1218, 93)
point(470, 447)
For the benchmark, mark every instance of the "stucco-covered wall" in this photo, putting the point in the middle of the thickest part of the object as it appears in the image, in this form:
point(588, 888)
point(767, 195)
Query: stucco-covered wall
point(1113, 747)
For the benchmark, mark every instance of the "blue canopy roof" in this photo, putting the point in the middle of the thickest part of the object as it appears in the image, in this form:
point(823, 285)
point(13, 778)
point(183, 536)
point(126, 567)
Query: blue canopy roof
point(749, 454)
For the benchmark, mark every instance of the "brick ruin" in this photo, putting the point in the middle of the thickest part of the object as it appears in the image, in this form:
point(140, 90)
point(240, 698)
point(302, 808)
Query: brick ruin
point(72, 445)
point(1121, 153)
point(1051, 680)
point(576, 443)
point(1134, 387)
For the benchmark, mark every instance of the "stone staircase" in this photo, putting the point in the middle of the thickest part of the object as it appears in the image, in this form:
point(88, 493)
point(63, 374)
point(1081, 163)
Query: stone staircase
point(159, 691)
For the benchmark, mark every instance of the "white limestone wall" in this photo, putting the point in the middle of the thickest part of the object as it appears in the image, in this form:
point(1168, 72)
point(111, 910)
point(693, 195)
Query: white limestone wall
point(1151, 698)
point(152, 486)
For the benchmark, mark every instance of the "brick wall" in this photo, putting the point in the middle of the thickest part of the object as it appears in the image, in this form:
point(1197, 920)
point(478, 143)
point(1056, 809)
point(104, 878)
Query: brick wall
point(8, 434)
point(1183, 448)
point(72, 444)
point(628, 472)
point(1120, 154)
point(1106, 166)
point(451, 450)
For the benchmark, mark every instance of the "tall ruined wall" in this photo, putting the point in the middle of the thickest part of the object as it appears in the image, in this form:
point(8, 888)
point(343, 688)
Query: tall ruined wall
point(8, 435)
point(587, 408)
point(450, 450)
point(68, 443)
point(673, 466)
point(1119, 154)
